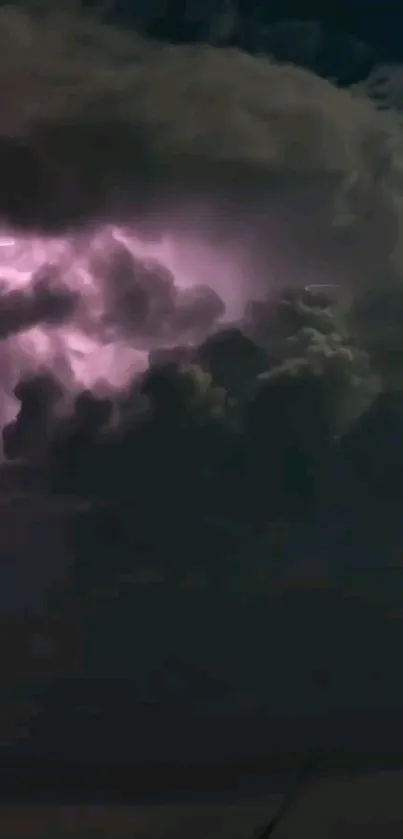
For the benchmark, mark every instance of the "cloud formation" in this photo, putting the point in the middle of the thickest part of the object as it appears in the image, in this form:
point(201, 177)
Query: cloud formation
point(97, 135)
point(21, 310)
point(237, 175)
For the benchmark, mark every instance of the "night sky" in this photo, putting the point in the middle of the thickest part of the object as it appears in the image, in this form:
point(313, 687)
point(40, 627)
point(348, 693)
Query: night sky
point(308, 631)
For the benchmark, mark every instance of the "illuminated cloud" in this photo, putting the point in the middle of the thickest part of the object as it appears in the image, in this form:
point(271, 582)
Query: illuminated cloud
point(231, 172)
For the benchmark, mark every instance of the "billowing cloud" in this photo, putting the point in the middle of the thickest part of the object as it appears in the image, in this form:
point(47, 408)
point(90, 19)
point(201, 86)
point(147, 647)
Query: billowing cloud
point(168, 121)
point(21, 310)
point(166, 186)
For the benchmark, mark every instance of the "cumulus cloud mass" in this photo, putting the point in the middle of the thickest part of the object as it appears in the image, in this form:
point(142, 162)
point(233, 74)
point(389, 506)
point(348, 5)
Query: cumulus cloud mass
point(150, 192)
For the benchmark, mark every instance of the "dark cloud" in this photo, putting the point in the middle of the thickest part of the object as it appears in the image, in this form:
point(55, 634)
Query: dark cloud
point(234, 360)
point(195, 465)
point(43, 302)
point(26, 437)
point(140, 298)
point(86, 136)
point(143, 304)
point(238, 150)
point(197, 310)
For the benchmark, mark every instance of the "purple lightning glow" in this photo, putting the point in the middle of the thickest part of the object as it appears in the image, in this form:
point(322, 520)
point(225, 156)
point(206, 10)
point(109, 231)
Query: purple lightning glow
point(131, 296)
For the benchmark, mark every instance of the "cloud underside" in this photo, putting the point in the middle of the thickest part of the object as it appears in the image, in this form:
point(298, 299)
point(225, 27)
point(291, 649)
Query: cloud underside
point(94, 122)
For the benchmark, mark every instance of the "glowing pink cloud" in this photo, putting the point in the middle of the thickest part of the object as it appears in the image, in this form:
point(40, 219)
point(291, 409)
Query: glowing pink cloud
point(78, 351)
point(193, 262)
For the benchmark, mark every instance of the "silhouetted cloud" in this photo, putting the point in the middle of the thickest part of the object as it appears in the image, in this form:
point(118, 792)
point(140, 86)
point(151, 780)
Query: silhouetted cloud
point(40, 303)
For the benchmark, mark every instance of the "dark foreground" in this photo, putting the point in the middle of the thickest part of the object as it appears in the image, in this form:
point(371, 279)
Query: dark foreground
point(336, 808)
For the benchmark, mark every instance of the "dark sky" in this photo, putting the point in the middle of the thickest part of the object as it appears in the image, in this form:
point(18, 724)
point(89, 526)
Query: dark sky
point(23, 578)
point(379, 23)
